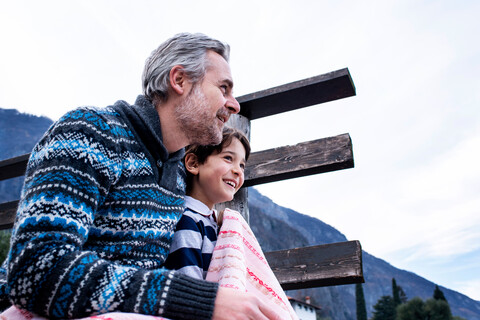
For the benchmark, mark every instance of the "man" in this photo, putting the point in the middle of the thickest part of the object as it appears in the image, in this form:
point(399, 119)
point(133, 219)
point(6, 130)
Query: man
point(104, 189)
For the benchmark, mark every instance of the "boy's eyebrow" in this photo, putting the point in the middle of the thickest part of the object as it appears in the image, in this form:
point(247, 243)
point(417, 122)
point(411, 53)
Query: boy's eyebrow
point(234, 153)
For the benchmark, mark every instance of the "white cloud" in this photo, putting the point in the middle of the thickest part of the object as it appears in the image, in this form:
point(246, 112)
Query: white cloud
point(470, 288)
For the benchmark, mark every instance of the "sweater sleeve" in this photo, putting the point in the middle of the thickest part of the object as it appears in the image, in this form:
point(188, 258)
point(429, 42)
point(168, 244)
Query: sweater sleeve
point(4, 301)
point(51, 271)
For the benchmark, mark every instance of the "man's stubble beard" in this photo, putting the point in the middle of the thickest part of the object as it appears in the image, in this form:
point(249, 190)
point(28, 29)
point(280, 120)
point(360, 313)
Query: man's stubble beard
point(198, 126)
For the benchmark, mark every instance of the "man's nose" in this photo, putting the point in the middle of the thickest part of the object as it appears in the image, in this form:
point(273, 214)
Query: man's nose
point(232, 105)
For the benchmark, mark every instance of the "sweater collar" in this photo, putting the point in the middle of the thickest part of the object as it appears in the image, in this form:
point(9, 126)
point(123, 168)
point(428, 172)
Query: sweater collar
point(149, 127)
point(199, 207)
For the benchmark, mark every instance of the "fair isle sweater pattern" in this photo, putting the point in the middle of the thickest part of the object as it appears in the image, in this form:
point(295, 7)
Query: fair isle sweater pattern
point(94, 226)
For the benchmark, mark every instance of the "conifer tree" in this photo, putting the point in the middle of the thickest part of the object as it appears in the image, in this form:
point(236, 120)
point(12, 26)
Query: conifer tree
point(438, 294)
point(403, 295)
point(395, 293)
point(360, 300)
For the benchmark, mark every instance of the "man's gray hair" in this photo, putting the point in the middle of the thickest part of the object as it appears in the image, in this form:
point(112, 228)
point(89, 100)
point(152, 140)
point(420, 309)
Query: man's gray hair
point(185, 49)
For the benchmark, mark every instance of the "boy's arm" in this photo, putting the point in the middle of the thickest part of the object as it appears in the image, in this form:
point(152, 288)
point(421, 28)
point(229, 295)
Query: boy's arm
point(192, 246)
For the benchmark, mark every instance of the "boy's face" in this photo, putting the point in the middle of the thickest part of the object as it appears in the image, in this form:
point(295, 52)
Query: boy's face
point(220, 176)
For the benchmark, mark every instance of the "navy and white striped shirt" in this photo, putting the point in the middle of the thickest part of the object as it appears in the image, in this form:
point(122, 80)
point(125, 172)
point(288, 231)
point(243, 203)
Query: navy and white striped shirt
point(194, 239)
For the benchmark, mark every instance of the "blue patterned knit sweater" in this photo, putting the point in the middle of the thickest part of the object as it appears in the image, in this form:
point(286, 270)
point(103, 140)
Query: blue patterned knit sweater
point(100, 203)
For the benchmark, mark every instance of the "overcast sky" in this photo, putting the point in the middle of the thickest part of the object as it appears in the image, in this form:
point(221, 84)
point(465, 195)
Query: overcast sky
point(413, 196)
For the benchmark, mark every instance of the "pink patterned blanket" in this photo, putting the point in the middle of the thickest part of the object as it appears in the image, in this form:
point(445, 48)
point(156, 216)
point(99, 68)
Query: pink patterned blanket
point(237, 262)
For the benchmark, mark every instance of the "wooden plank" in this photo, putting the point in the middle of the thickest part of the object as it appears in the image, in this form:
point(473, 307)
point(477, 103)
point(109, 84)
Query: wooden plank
point(13, 167)
point(299, 268)
point(299, 94)
point(318, 266)
point(8, 211)
point(306, 158)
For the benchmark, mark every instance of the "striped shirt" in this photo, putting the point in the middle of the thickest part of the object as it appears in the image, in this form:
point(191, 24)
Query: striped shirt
point(194, 239)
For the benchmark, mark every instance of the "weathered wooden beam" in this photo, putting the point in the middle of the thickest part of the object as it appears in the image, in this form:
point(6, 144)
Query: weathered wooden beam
point(13, 167)
point(306, 158)
point(299, 268)
point(8, 211)
point(318, 266)
point(299, 94)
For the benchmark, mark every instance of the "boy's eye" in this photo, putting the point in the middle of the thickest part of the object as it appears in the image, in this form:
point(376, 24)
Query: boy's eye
point(242, 165)
point(229, 158)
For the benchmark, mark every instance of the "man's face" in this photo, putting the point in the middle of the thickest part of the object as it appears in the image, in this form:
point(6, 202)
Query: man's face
point(209, 104)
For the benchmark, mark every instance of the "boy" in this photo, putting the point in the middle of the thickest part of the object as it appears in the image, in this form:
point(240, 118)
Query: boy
point(214, 175)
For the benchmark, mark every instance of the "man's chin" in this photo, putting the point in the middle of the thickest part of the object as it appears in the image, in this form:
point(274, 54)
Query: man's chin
point(208, 140)
point(217, 136)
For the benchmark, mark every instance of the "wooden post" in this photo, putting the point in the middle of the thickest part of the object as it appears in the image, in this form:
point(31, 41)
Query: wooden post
point(240, 202)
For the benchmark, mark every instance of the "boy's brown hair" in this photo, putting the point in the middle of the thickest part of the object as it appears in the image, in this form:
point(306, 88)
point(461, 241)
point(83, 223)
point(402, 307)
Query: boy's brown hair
point(203, 152)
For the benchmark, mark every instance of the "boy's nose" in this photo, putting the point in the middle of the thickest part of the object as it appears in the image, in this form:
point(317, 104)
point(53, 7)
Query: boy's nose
point(237, 169)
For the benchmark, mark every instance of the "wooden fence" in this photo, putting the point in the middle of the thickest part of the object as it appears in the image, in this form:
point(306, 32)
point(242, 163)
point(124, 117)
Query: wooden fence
point(297, 268)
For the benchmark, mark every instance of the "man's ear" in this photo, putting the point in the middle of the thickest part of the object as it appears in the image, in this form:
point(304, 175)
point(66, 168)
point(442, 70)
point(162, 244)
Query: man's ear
point(178, 79)
point(191, 163)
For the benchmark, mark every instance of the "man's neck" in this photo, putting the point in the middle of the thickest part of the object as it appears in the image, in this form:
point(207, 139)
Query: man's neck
point(173, 135)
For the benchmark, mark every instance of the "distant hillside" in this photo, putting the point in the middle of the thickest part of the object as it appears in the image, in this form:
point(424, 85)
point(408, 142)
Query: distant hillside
point(276, 228)
point(280, 228)
point(19, 132)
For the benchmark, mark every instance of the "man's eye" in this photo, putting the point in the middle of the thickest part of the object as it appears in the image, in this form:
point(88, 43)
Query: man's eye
point(224, 88)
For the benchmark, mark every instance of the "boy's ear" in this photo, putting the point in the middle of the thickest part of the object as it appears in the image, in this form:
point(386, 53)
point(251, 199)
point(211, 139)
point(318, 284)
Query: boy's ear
point(191, 163)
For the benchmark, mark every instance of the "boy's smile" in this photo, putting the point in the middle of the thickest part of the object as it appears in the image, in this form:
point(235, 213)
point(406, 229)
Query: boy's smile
point(220, 176)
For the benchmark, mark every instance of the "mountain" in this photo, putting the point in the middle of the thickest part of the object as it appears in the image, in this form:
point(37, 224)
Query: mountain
point(276, 228)
point(19, 132)
point(280, 228)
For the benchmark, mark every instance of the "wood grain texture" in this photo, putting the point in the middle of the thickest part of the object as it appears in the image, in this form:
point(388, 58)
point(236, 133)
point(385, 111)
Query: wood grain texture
point(13, 167)
point(318, 266)
point(8, 211)
point(299, 94)
point(306, 158)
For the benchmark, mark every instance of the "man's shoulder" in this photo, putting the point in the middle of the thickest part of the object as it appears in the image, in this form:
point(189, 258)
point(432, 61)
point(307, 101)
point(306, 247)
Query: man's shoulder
point(101, 118)
point(92, 113)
